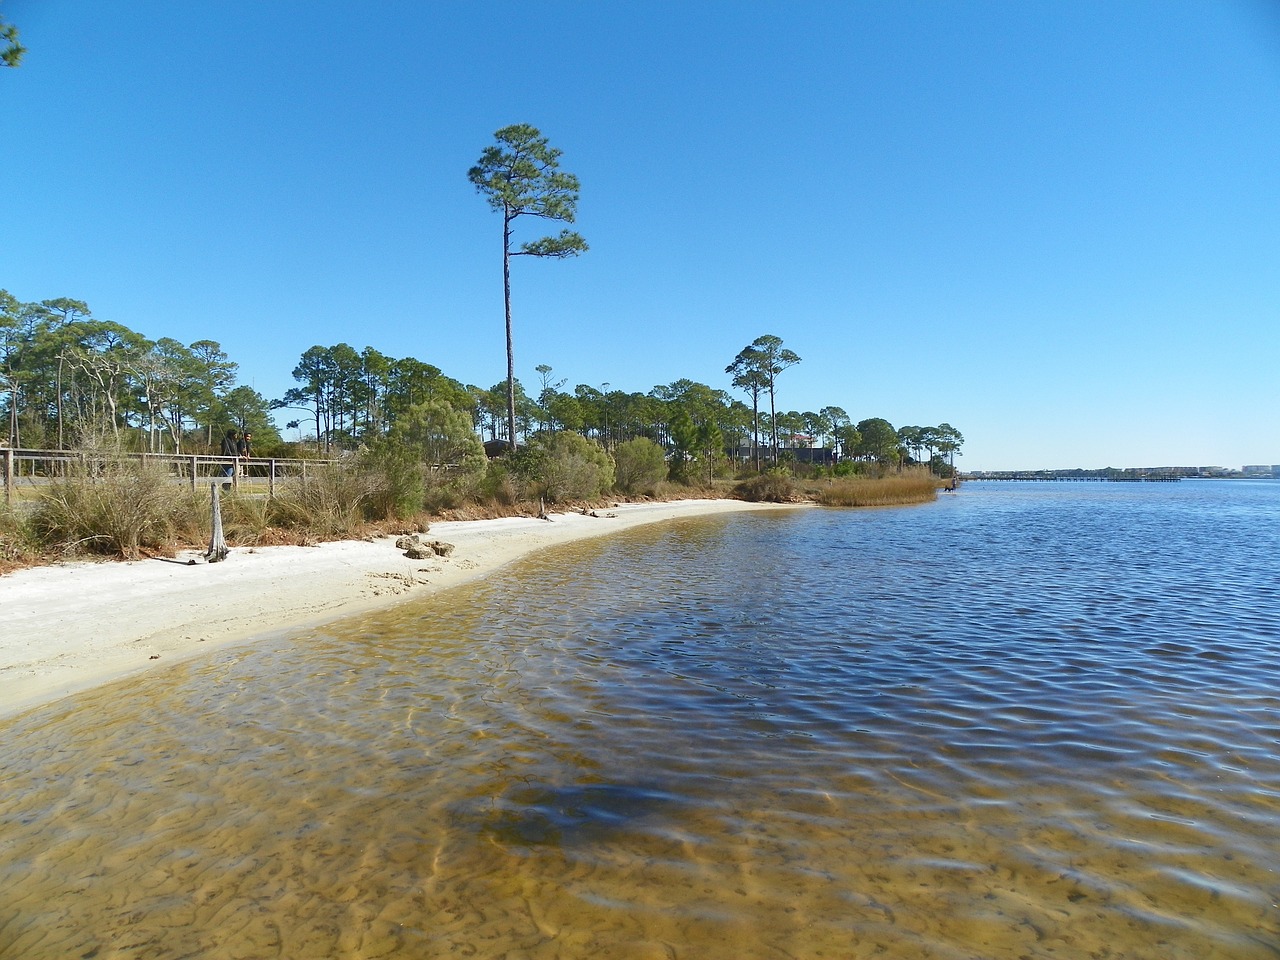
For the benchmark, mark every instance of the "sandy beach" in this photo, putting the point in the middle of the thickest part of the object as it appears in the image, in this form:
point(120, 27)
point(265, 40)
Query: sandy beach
point(69, 627)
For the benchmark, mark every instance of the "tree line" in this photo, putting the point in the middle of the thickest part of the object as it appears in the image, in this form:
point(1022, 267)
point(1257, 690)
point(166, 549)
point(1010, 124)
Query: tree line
point(353, 398)
point(70, 379)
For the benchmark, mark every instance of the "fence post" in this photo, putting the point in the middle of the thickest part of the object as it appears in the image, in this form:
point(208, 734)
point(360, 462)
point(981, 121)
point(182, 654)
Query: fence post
point(8, 475)
point(194, 463)
point(271, 480)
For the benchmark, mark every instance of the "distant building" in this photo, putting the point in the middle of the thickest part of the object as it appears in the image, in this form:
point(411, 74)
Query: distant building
point(819, 455)
point(1261, 470)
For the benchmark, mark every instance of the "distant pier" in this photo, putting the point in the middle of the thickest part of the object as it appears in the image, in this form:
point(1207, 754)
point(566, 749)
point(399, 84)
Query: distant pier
point(1068, 478)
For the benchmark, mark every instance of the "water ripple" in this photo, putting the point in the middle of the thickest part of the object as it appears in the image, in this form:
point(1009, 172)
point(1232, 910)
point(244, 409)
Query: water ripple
point(1019, 722)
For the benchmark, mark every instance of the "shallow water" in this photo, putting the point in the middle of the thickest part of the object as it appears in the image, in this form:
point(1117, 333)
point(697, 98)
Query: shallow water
point(1026, 721)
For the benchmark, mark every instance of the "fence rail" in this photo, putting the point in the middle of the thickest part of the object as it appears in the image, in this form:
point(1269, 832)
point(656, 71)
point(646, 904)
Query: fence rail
point(38, 467)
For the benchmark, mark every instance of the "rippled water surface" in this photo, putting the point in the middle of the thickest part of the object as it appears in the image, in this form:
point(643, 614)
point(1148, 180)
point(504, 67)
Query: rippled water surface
point(1026, 721)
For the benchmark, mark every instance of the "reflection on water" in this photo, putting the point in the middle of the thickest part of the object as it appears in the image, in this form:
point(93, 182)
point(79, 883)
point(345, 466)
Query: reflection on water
point(1022, 722)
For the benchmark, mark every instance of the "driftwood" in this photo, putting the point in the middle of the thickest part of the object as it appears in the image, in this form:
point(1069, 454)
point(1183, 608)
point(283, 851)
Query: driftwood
point(217, 543)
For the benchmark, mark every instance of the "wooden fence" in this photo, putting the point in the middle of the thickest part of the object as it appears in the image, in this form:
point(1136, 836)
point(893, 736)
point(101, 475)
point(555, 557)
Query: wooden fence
point(38, 467)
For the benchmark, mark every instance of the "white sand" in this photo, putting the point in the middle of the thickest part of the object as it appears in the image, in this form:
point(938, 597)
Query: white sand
point(69, 627)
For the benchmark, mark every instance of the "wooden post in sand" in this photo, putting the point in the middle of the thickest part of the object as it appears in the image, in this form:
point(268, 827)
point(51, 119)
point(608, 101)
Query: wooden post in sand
point(217, 544)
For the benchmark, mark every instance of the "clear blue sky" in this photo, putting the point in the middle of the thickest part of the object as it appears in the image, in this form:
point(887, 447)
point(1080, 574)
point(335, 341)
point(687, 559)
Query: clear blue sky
point(1054, 225)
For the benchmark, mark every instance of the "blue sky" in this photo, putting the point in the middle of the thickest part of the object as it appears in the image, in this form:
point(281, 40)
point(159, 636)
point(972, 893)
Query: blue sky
point(1053, 225)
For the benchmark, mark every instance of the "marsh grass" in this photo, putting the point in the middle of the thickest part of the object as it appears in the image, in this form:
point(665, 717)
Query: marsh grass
point(192, 519)
point(331, 502)
point(245, 520)
point(888, 491)
point(19, 545)
point(119, 509)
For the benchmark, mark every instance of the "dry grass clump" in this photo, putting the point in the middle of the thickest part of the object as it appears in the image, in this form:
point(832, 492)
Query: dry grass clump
point(192, 520)
point(245, 520)
point(775, 486)
point(487, 510)
point(329, 502)
point(882, 492)
point(115, 508)
point(18, 544)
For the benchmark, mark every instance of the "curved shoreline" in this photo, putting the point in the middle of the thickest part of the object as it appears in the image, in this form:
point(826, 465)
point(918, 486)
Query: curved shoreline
point(70, 627)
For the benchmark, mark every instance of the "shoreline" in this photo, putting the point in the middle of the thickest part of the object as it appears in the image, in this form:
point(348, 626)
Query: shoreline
point(67, 628)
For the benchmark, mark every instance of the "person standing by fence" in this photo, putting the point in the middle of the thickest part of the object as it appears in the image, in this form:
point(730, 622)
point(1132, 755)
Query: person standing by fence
point(230, 448)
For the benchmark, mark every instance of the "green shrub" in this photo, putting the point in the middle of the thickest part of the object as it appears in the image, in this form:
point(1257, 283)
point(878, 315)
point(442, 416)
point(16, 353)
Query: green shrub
point(498, 485)
point(775, 486)
point(854, 468)
point(440, 437)
point(447, 493)
point(397, 482)
point(639, 465)
point(571, 467)
point(431, 459)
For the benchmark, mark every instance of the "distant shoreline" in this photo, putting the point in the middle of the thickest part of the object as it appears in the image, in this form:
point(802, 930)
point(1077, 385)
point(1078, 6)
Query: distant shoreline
point(1129, 473)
